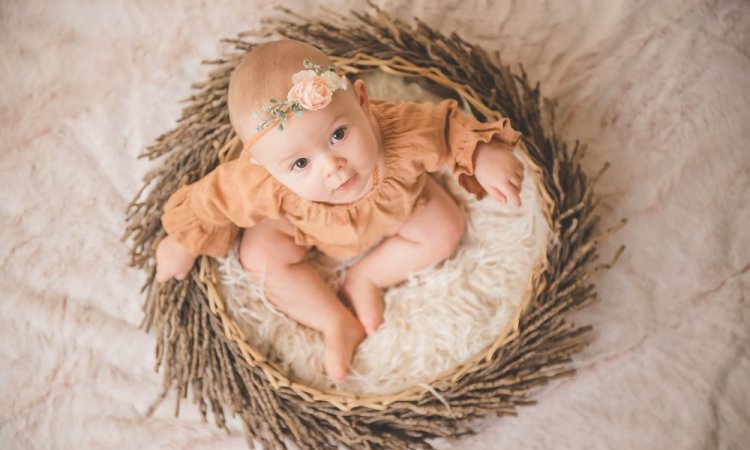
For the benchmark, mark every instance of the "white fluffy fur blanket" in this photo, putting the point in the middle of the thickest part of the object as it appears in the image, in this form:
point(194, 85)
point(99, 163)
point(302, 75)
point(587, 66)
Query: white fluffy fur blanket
point(659, 89)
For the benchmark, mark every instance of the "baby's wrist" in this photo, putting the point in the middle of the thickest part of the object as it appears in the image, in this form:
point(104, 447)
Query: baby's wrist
point(180, 248)
point(493, 145)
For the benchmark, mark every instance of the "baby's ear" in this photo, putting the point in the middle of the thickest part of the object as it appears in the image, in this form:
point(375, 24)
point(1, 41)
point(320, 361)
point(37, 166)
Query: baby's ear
point(360, 91)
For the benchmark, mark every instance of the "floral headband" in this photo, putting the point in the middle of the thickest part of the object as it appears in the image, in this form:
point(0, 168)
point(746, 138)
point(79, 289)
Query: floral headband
point(312, 90)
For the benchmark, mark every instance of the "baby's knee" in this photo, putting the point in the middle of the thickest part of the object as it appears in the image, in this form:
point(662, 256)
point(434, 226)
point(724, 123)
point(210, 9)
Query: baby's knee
point(444, 222)
point(254, 258)
point(264, 248)
point(451, 232)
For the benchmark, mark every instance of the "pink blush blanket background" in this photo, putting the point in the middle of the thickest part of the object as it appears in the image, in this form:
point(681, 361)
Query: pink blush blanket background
point(661, 90)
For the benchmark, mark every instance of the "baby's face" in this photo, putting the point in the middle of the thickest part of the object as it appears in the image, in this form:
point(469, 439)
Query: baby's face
point(328, 155)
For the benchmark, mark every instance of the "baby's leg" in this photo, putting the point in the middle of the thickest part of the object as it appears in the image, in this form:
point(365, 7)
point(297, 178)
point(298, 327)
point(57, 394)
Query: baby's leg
point(427, 237)
point(269, 253)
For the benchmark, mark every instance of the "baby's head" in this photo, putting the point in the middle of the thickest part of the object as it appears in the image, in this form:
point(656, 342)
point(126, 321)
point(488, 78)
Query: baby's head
point(325, 155)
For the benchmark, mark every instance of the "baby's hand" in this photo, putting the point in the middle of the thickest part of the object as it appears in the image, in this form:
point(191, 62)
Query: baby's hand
point(172, 260)
point(499, 171)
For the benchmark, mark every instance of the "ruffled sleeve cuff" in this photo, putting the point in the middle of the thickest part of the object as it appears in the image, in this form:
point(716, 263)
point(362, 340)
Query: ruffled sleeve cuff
point(198, 238)
point(464, 132)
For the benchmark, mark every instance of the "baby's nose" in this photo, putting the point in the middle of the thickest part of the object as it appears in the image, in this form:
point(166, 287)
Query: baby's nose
point(333, 166)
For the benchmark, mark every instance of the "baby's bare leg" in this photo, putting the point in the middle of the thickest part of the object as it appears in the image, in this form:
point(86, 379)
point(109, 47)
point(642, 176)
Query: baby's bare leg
point(269, 253)
point(427, 237)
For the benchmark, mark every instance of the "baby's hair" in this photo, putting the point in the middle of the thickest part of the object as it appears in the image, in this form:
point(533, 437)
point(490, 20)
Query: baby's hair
point(264, 73)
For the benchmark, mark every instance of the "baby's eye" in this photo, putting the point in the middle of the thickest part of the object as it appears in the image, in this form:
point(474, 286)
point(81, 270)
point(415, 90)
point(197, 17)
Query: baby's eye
point(300, 164)
point(338, 134)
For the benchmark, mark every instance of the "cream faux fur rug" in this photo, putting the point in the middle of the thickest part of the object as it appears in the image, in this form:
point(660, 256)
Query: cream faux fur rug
point(436, 319)
point(660, 89)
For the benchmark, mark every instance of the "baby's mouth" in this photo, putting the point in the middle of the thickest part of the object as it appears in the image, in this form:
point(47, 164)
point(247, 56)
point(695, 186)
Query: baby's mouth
point(348, 183)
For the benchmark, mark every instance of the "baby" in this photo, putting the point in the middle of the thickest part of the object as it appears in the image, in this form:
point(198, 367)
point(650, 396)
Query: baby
point(325, 166)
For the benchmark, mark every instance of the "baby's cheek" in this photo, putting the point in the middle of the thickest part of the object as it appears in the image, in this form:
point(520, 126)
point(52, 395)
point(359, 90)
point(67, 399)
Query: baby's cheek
point(365, 152)
point(312, 189)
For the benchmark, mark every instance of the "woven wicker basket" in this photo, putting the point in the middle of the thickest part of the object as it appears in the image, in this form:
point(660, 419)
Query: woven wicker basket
point(200, 346)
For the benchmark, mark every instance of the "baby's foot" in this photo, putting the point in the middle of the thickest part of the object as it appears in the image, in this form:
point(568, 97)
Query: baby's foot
point(366, 299)
point(340, 341)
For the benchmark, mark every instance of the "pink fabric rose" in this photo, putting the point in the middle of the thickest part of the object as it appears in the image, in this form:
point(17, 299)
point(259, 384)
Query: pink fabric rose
point(310, 90)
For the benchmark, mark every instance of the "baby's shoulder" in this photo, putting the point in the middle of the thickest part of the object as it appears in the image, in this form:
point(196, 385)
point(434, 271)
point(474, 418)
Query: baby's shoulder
point(406, 117)
point(242, 172)
point(249, 181)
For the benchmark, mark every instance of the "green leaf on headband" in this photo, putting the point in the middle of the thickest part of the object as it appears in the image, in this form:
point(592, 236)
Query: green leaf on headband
point(281, 127)
point(273, 100)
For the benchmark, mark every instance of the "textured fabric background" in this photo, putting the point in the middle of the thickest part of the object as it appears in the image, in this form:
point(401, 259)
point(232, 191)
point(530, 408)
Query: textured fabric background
point(659, 89)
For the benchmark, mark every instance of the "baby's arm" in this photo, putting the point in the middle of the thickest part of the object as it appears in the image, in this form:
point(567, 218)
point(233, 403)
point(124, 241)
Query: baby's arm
point(204, 218)
point(480, 154)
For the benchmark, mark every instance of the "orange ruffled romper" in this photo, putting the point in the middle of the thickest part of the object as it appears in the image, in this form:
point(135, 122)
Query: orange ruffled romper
point(205, 217)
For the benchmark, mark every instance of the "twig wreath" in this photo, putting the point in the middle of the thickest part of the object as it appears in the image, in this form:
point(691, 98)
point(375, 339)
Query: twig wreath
point(201, 348)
